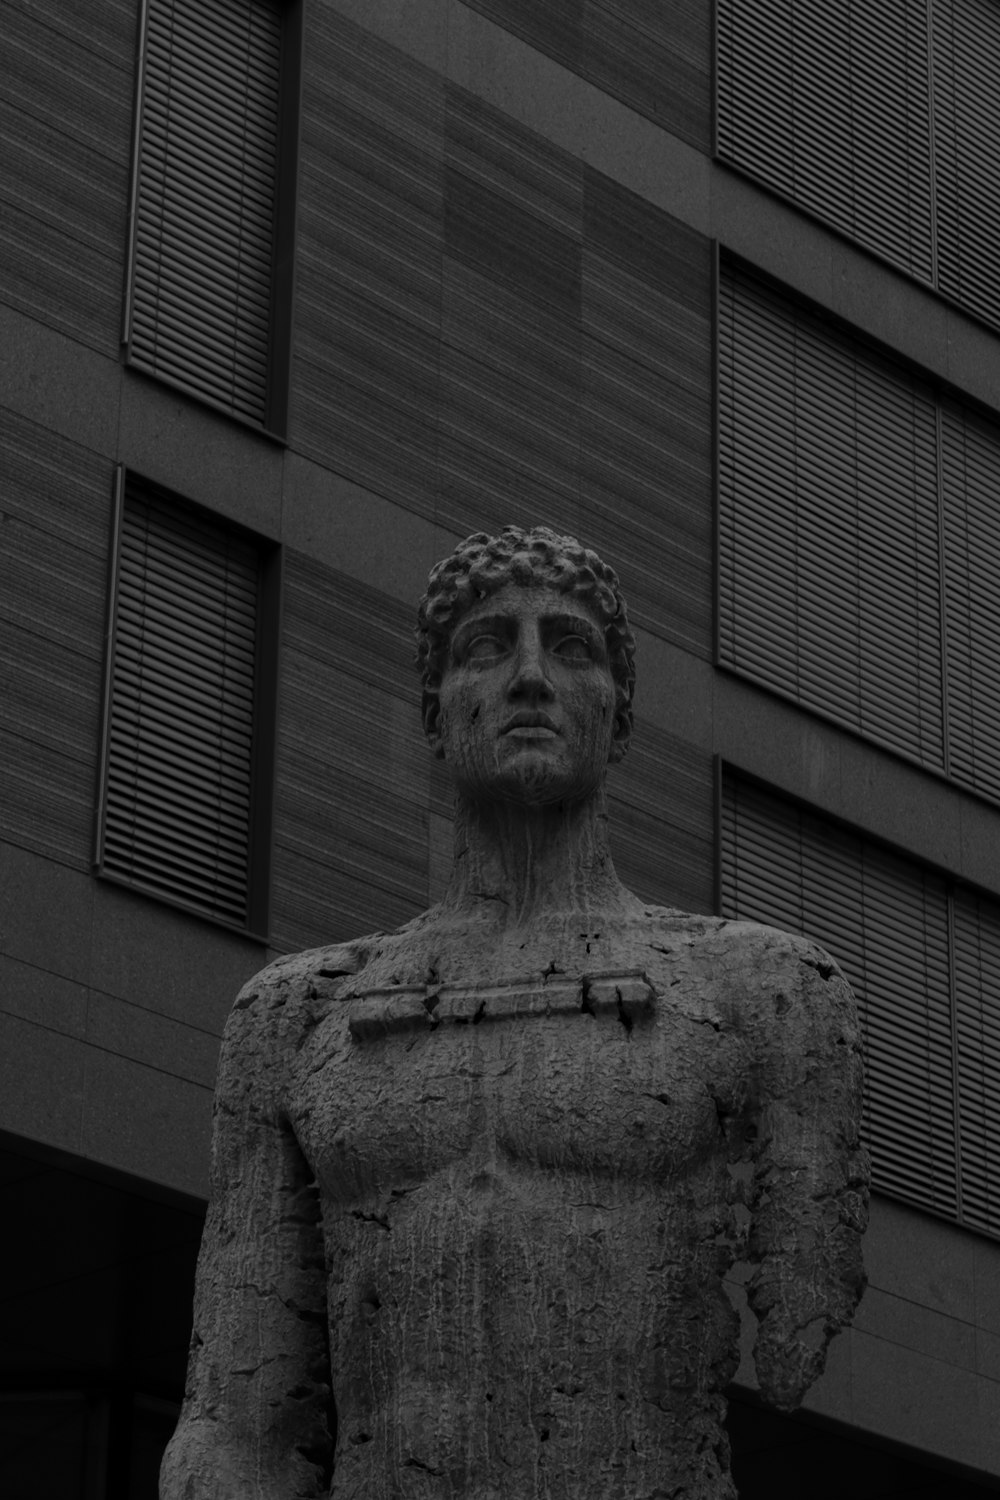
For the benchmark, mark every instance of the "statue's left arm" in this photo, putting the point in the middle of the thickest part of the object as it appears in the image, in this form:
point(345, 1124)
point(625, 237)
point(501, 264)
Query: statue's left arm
point(255, 1421)
point(810, 1190)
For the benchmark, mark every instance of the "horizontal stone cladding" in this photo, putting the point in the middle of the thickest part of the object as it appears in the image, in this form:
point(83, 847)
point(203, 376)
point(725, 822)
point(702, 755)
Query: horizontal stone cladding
point(646, 445)
point(488, 330)
point(368, 272)
point(66, 119)
point(351, 796)
point(511, 358)
point(661, 801)
point(54, 542)
point(654, 57)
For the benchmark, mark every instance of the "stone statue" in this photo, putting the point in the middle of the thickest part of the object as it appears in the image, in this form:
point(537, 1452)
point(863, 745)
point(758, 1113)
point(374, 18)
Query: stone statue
point(477, 1182)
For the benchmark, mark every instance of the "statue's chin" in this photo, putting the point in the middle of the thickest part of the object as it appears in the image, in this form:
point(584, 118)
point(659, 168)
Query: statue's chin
point(534, 783)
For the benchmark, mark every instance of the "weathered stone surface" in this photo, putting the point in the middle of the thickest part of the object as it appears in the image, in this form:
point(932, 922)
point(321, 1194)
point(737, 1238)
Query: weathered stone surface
point(481, 1178)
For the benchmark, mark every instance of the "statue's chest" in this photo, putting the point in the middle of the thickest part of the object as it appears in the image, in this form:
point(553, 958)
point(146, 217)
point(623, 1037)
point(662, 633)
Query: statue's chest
point(607, 1073)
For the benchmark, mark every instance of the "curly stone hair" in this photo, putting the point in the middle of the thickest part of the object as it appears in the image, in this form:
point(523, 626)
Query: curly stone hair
point(483, 564)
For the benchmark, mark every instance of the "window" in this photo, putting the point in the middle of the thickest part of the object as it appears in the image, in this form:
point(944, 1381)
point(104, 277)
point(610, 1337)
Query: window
point(213, 202)
point(882, 119)
point(858, 538)
point(187, 762)
point(923, 955)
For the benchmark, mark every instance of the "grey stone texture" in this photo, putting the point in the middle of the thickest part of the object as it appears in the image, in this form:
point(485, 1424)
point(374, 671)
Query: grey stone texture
point(477, 1183)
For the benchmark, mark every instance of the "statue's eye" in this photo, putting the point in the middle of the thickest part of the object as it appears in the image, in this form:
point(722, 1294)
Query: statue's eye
point(486, 647)
point(573, 648)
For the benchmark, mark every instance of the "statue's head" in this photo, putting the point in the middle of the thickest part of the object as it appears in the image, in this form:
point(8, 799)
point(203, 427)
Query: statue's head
point(527, 662)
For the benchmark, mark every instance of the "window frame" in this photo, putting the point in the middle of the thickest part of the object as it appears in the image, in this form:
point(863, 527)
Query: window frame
point(277, 394)
point(260, 823)
point(945, 247)
point(976, 1189)
point(956, 416)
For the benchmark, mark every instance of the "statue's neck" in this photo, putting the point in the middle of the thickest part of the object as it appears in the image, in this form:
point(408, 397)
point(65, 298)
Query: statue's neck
point(516, 865)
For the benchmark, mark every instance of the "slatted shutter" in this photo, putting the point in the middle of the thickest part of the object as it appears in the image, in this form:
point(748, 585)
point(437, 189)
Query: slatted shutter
point(967, 151)
point(828, 521)
point(885, 920)
point(205, 196)
point(970, 471)
point(830, 105)
point(180, 719)
point(977, 1006)
point(882, 119)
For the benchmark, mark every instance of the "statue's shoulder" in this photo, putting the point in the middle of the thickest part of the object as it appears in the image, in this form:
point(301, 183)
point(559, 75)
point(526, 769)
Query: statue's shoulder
point(772, 952)
point(292, 974)
point(278, 1001)
point(747, 941)
point(761, 974)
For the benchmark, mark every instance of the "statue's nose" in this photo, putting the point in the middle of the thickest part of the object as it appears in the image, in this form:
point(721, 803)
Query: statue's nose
point(530, 678)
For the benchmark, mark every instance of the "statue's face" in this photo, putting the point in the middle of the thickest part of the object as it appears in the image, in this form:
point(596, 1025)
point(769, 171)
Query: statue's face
point(527, 702)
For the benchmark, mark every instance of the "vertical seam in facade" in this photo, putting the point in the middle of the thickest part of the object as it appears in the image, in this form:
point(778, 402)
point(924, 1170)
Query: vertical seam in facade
point(715, 428)
point(932, 141)
point(133, 211)
point(942, 583)
point(955, 1075)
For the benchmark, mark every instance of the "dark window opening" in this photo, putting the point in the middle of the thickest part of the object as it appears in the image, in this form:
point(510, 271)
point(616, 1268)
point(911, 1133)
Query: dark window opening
point(922, 953)
point(187, 763)
point(209, 300)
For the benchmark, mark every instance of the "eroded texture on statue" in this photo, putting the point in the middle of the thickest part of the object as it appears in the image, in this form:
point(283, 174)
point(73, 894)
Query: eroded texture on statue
point(477, 1182)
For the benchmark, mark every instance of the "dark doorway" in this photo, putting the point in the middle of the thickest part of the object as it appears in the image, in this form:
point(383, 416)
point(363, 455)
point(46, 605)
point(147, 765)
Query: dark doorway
point(779, 1457)
point(95, 1315)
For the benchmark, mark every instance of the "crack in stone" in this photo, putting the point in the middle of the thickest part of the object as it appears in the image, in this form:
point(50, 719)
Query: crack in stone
point(379, 1219)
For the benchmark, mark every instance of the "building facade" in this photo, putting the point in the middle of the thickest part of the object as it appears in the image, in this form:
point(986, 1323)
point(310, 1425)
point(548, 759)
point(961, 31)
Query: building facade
point(296, 293)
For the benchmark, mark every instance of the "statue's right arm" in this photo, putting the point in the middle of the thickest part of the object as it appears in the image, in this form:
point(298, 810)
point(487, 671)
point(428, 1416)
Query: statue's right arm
point(256, 1416)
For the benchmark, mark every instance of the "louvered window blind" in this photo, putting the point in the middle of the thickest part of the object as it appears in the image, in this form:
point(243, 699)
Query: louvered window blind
point(977, 1016)
point(882, 119)
point(205, 199)
point(858, 545)
point(970, 477)
point(923, 956)
point(177, 809)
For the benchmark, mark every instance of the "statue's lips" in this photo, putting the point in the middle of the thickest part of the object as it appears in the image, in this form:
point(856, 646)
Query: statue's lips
point(530, 726)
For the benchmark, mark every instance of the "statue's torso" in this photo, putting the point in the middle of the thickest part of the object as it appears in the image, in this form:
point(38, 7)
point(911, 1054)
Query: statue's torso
point(523, 1158)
